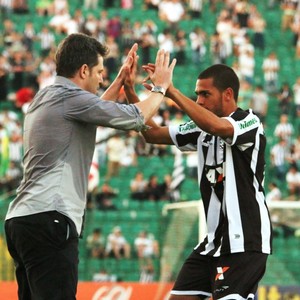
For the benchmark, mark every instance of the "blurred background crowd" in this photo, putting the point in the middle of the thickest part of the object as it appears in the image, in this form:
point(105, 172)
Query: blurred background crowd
point(259, 39)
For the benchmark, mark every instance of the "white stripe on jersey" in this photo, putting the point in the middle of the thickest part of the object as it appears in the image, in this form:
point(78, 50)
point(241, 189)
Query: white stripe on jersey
point(265, 227)
point(236, 235)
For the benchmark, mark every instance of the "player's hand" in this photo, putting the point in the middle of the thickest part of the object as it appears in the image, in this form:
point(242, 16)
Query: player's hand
point(149, 68)
point(160, 73)
point(130, 73)
point(129, 64)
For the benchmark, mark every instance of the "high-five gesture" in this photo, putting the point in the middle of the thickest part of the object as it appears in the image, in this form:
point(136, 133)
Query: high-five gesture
point(161, 73)
point(129, 65)
point(127, 71)
point(161, 76)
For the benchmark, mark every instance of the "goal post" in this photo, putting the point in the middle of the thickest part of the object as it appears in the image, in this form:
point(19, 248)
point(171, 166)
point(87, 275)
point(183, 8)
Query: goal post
point(196, 205)
point(185, 227)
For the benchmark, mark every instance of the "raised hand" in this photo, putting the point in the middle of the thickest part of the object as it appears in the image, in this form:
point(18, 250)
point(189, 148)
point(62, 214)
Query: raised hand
point(149, 68)
point(130, 73)
point(161, 73)
point(129, 64)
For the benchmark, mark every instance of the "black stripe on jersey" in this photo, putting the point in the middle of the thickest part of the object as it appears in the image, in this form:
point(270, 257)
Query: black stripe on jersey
point(240, 114)
point(190, 138)
point(260, 167)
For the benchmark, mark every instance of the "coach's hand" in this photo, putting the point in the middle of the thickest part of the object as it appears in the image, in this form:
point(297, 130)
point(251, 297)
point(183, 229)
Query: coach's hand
point(129, 65)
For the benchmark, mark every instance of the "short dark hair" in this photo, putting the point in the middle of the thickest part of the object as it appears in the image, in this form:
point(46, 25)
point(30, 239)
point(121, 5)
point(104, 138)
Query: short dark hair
point(223, 77)
point(76, 50)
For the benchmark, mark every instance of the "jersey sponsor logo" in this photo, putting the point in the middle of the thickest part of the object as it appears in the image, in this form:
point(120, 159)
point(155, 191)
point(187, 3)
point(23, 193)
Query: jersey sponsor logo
point(245, 124)
point(220, 273)
point(187, 127)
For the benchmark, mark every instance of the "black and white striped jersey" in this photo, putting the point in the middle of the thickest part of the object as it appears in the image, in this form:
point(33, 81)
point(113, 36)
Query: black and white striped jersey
point(231, 178)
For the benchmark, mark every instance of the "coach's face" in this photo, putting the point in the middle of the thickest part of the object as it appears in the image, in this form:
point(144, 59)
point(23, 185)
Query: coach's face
point(209, 97)
point(94, 77)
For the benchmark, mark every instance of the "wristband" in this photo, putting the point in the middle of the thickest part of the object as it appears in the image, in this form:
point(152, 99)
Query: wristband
point(158, 89)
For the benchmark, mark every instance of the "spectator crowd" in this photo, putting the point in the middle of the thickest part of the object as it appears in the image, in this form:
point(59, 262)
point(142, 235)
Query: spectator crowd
point(237, 37)
point(143, 247)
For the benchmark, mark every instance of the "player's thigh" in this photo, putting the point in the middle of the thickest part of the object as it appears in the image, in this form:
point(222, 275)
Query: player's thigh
point(193, 280)
point(237, 275)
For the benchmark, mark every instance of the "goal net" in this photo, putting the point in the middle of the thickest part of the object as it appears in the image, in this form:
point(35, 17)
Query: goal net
point(185, 228)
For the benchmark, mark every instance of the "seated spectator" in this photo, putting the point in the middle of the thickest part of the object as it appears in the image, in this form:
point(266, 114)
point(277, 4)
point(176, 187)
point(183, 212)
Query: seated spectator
point(293, 182)
point(147, 272)
point(259, 102)
point(58, 21)
point(180, 46)
point(171, 12)
point(285, 98)
point(114, 149)
point(279, 153)
point(146, 248)
point(274, 193)
point(104, 276)
point(153, 189)
point(145, 245)
point(95, 244)
point(284, 129)
point(15, 149)
point(138, 187)
point(20, 7)
point(103, 198)
point(165, 188)
point(117, 245)
point(129, 157)
point(289, 8)
point(46, 39)
point(271, 68)
point(293, 156)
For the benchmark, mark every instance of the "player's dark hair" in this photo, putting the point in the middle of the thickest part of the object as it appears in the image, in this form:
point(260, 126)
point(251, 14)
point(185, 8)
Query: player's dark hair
point(223, 77)
point(76, 50)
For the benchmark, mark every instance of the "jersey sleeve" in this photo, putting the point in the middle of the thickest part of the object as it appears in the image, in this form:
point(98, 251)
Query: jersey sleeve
point(185, 136)
point(245, 124)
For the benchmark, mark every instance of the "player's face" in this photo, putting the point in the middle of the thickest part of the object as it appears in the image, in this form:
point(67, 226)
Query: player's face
point(95, 77)
point(209, 97)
